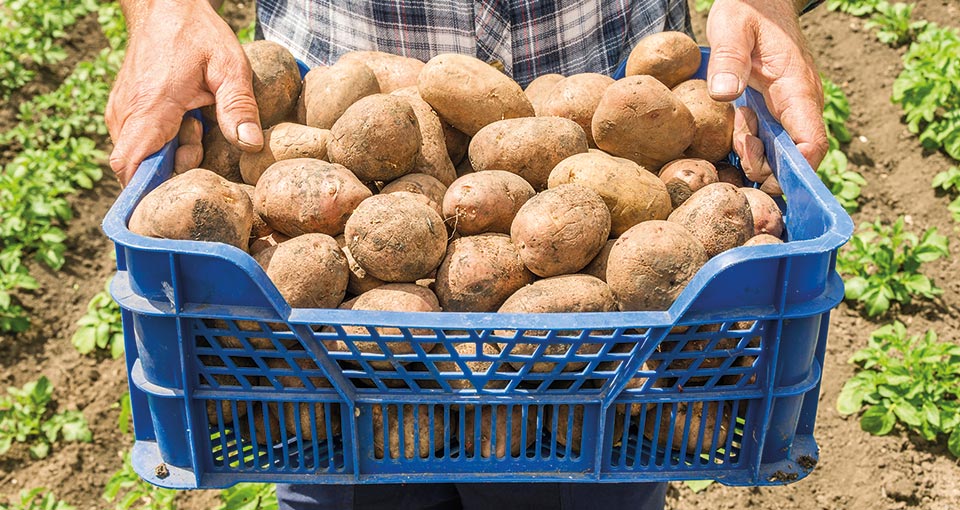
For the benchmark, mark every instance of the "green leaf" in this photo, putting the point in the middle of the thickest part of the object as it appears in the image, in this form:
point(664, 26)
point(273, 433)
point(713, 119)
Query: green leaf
point(698, 485)
point(851, 396)
point(953, 443)
point(855, 287)
point(878, 421)
point(39, 450)
point(907, 413)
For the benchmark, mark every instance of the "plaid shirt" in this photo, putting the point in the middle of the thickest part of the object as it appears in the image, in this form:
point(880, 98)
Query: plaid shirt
point(529, 38)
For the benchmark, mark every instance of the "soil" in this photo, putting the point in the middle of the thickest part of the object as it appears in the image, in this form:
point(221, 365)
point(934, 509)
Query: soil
point(856, 470)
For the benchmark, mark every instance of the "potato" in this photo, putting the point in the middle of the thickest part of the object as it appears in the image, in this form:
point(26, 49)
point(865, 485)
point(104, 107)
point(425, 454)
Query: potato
point(262, 243)
point(561, 230)
point(670, 57)
point(767, 218)
point(469, 93)
point(329, 91)
point(467, 351)
point(576, 98)
point(558, 423)
point(396, 240)
point(598, 266)
point(641, 104)
point(540, 88)
point(434, 159)
point(299, 412)
point(284, 141)
point(276, 80)
point(456, 142)
point(718, 215)
point(259, 228)
point(712, 120)
point(631, 193)
point(417, 431)
point(358, 281)
point(479, 273)
point(197, 205)
point(762, 239)
point(377, 138)
point(685, 176)
point(420, 184)
point(220, 156)
point(395, 297)
point(729, 174)
point(483, 202)
point(713, 423)
point(651, 264)
point(568, 293)
point(300, 196)
point(392, 71)
point(310, 271)
point(464, 168)
point(529, 148)
point(518, 441)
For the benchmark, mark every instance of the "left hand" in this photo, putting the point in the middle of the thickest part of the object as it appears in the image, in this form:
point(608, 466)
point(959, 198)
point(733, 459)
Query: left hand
point(758, 43)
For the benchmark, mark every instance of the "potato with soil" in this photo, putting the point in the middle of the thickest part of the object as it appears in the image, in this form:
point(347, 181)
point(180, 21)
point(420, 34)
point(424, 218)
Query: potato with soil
point(456, 142)
point(598, 266)
point(631, 193)
point(421, 184)
point(394, 297)
point(641, 104)
point(358, 281)
point(718, 215)
point(479, 273)
point(300, 196)
point(310, 271)
point(518, 442)
point(568, 293)
point(396, 239)
point(284, 141)
point(767, 218)
point(259, 244)
point(259, 228)
point(529, 148)
point(467, 351)
point(729, 174)
point(417, 431)
point(220, 156)
point(713, 418)
point(670, 57)
point(763, 239)
point(276, 80)
point(434, 159)
point(561, 230)
point(684, 177)
point(485, 202)
point(576, 98)
point(392, 71)
point(298, 413)
point(329, 91)
point(377, 138)
point(538, 90)
point(712, 120)
point(470, 93)
point(197, 205)
point(651, 264)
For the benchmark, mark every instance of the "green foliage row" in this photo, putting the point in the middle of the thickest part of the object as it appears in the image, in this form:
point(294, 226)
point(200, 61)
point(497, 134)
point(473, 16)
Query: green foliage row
point(25, 417)
point(29, 31)
point(914, 380)
point(58, 156)
point(844, 183)
point(37, 499)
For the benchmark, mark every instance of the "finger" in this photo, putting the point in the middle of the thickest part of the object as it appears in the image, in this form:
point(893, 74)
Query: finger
point(231, 80)
point(771, 187)
point(752, 153)
point(798, 104)
point(145, 131)
point(728, 70)
point(187, 157)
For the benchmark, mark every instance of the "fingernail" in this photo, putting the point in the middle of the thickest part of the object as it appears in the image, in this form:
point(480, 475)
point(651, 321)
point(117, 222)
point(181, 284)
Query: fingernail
point(249, 134)
point(725, 84)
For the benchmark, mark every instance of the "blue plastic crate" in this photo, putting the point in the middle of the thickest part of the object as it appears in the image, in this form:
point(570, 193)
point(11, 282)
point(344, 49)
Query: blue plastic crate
point(229, 384)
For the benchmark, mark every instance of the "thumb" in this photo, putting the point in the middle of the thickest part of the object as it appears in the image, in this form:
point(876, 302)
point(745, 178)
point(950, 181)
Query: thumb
point(728, 71)
point(237, 113)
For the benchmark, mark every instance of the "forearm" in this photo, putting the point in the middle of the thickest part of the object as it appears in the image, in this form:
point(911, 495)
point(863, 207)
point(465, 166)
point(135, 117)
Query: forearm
point(136, 11)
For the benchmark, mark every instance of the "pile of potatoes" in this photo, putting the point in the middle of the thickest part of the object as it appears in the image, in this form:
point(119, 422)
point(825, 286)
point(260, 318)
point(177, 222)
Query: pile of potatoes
point(386, 183)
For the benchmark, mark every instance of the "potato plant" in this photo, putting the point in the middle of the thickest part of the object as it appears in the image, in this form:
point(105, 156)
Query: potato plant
point(127, 490)
point(38, 498)
point(25, 417)
point(100, 328)
point(844, 183)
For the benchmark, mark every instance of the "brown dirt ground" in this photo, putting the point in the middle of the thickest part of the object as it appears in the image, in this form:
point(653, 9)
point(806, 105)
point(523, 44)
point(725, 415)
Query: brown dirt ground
point(856, 470)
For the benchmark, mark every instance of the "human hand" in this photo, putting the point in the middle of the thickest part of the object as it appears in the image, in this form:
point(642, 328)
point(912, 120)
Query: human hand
point(180, 56)
point(758, 43)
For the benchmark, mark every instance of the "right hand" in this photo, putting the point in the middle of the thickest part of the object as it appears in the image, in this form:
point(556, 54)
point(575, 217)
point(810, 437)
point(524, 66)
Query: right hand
point(180, 56)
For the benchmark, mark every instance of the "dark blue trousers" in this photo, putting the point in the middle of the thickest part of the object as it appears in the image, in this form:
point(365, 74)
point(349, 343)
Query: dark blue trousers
point(475, 496)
